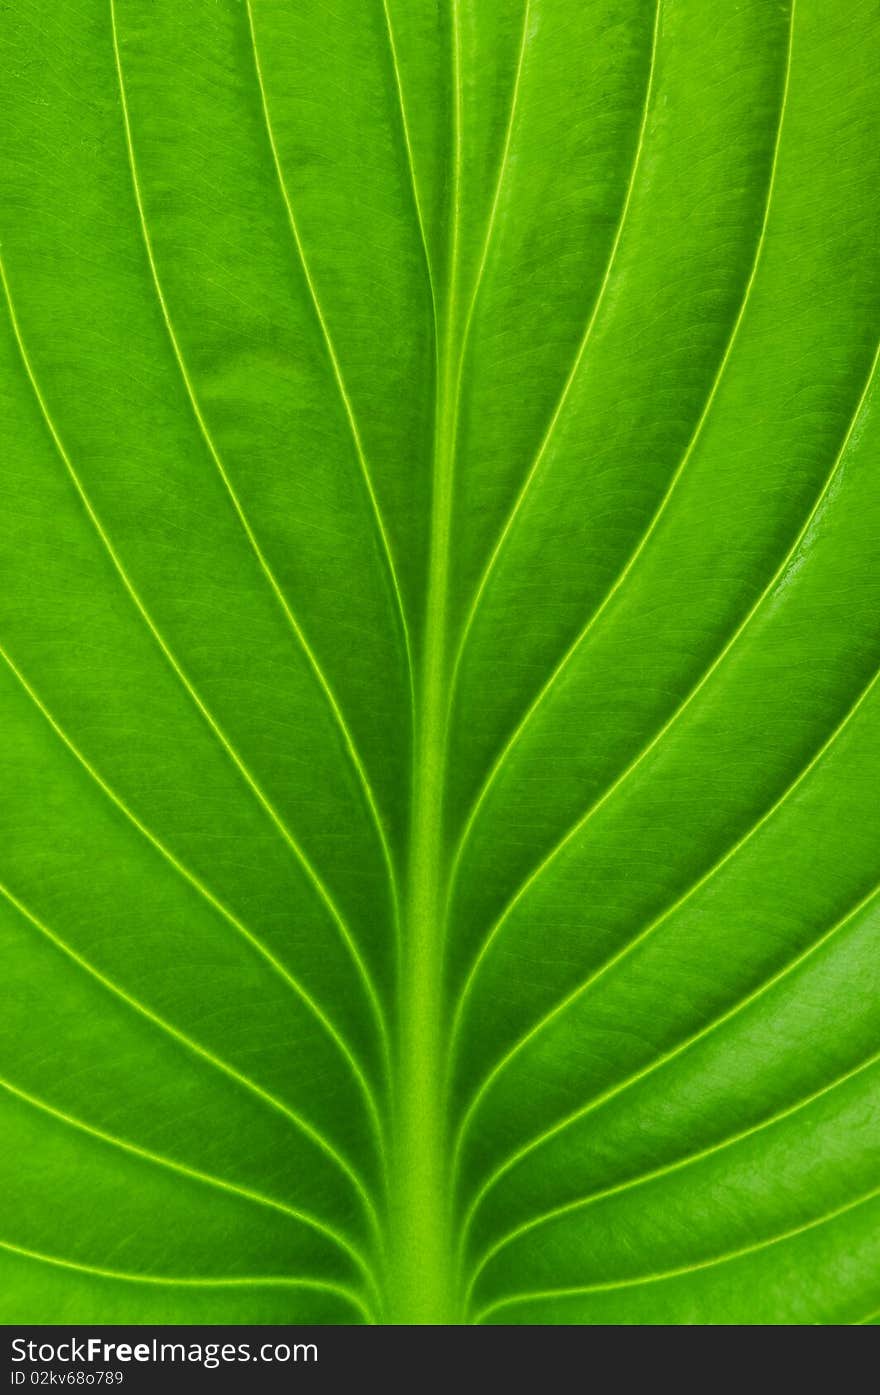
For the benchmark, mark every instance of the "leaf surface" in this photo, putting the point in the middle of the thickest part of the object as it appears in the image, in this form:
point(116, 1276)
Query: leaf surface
point(438, 624)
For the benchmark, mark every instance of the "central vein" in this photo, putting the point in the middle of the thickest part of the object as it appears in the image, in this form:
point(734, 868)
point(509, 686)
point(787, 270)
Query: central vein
point(422, 1246)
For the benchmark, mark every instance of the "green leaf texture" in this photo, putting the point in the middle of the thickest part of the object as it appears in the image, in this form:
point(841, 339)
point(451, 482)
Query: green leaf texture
point(439, 630)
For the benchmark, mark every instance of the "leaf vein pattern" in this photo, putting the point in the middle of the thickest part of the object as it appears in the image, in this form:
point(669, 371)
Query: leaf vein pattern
point(513, 740)
point(302, 1125)
point(535, 466)
point(613, 1091)
point(169, 1281)
point(331, 351)
point(410, 159)
point(612, 789)
point(632, 1183)
point(310, 871)
point(318, 673)
point(687, 1269)
point(183, 1170)
point(321, 1017)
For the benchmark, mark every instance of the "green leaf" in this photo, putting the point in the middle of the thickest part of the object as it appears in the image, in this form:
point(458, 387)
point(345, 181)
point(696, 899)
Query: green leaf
point(439, 642)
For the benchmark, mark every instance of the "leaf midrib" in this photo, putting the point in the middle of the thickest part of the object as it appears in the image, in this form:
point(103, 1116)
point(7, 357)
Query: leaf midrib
point(419, 1215)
